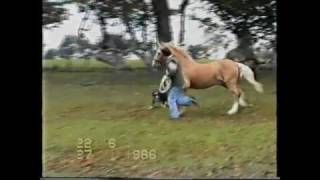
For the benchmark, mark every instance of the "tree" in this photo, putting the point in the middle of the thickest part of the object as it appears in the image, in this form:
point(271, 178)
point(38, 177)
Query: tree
point(72, 45)
point(246, 18)
point(162, 12)
point(51, 54)
point(68, 46)
point(249, 20)
point(182, 20)
point(198, 51)
point(134, 15)
point(53, 13)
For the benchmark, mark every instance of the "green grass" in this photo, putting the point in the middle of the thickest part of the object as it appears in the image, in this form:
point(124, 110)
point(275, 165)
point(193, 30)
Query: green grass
point(100, 103)
point(84, 65)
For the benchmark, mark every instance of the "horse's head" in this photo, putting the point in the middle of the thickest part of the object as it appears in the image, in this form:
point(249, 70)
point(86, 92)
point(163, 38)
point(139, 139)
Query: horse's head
point(161, 56)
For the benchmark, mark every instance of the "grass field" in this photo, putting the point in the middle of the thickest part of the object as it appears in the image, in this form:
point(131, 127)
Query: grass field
point(88, 99)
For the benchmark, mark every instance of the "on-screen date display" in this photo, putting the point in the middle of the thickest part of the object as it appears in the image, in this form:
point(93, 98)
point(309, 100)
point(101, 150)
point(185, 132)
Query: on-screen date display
point(84, 150)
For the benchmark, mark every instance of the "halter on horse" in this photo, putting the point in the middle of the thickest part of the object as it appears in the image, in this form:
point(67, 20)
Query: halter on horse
point(225, 72)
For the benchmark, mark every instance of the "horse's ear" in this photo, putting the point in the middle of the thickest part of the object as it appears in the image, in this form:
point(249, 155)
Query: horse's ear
point(161, 44)
point(166, 44)
point(181, 45)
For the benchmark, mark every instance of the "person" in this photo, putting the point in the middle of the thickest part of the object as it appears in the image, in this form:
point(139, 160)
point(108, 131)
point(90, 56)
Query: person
point(173, 83)
point(159, 98)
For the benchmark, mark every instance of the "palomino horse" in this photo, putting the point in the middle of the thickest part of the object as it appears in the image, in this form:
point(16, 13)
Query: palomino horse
point(225, 72)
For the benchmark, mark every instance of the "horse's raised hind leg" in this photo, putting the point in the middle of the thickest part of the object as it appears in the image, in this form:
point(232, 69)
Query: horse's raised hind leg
point(242, 102)
point(235, 107)
point(186, 83)
point(236, 94)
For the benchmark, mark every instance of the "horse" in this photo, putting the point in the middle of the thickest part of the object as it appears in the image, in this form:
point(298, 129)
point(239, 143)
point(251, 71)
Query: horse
point(223, 72)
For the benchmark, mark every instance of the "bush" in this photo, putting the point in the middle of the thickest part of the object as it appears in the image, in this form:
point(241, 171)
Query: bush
point(51, 54)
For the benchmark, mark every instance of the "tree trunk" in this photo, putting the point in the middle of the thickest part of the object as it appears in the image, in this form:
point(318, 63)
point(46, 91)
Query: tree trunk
point(126, 20)
point(182, 21)
point(181, 35)
point(113, 59)
point(244, 52)
point(103, 31)
point(146, 57)
point(144, 33)
point(144, 19)
point(162, 13)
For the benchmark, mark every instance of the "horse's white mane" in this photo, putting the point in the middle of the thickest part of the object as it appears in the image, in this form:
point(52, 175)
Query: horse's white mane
point(178, 51)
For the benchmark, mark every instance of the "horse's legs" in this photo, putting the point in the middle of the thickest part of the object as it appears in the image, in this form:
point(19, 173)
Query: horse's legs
point(242, 102)
point(235, 106)
point(236, 94)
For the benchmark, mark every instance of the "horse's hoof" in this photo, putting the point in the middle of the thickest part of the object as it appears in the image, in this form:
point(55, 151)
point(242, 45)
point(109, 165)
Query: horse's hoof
point(231, 112)
point(243, 104)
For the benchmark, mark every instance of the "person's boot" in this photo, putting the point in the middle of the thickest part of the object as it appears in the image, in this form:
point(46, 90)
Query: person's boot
point(194, 101)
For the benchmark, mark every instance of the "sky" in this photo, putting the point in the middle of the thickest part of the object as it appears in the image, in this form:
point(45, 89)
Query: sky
point(193, 34)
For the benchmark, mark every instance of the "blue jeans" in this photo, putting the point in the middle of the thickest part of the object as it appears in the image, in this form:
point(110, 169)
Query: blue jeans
point(176, 98)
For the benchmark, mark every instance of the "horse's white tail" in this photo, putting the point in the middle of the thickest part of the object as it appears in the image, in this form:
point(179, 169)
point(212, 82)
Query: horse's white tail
point(247, 73)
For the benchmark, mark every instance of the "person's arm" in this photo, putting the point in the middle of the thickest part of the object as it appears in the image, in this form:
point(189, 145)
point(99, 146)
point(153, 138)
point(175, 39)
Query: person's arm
point(172, 68)
point(152, 104)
